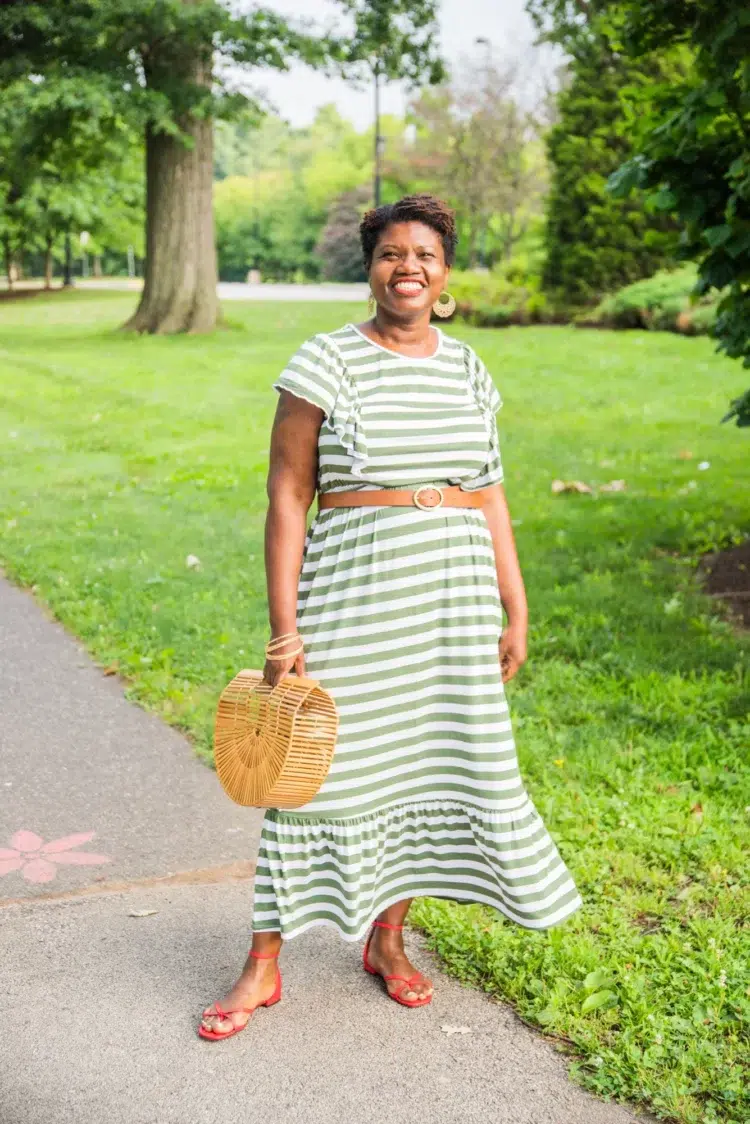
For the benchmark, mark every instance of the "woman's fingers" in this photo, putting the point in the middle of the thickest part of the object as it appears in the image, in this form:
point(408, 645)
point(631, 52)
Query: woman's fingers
point(275, 670)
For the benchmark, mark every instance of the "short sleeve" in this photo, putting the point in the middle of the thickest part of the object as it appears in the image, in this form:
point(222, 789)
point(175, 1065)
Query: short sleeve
point(313, 373)
point(489, 402)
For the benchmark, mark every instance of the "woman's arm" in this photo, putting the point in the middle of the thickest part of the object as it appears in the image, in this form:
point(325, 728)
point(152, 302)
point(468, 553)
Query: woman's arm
point(509, 581)
point(291, 486)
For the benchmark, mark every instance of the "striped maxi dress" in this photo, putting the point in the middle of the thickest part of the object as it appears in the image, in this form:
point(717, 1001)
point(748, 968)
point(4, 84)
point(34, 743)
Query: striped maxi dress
point(400, 615)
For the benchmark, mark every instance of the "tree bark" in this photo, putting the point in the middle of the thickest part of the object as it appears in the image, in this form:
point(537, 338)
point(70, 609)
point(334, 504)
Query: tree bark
point(48, 264)
point(179, 291)
point(9, 271)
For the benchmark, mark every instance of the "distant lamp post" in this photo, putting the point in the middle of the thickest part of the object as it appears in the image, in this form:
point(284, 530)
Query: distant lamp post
point(83, 238)
point(482, 41)
point(378, 154)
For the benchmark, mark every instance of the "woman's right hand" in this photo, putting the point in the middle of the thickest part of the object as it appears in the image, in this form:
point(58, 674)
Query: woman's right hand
point(275, 670)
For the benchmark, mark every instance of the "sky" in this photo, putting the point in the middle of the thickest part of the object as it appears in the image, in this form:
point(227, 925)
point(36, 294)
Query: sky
point(299, 92)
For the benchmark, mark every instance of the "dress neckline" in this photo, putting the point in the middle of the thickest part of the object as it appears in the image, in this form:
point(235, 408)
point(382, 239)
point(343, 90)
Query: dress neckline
point(400, 354)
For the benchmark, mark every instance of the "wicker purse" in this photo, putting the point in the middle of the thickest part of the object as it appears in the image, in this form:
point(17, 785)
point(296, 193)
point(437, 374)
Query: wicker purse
point(273, 745)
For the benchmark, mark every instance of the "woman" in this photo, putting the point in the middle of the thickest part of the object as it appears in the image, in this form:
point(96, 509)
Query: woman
point(398, 607)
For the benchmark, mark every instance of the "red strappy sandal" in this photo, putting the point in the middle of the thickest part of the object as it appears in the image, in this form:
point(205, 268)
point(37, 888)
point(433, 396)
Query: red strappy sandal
point(408, 984)
point(215, 1035)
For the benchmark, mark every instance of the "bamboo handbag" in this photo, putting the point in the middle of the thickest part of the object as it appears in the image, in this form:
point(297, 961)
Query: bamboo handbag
point(273, 745)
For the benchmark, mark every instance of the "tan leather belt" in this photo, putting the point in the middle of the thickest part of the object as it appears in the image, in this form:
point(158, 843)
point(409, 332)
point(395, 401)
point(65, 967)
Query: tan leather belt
point(426, 497)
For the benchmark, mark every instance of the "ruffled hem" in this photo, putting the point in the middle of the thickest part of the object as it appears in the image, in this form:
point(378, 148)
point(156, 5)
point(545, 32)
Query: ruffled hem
point(344, 873)
point(572, 907)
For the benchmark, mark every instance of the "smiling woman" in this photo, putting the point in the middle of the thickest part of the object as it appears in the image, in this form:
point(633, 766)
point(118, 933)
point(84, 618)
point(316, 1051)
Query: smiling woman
point(394, 601)
point(408, 261)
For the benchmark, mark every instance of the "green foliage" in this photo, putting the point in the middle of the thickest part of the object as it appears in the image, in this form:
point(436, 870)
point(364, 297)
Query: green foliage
point(493, 300)
point(595, 243)
point(396, 38)
point(172, 63)
point(631, 716)
point(693, 152)
point(272, 217)
point(339, 247)
point(477, 145)
point(665, 301)
point(68, 161)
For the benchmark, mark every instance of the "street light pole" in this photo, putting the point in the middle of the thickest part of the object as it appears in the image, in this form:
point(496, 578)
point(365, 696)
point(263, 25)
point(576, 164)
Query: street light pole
point(487, 43)
point(378, 138)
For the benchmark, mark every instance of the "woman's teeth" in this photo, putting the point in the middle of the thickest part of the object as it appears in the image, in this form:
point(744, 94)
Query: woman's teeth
point(407, 287)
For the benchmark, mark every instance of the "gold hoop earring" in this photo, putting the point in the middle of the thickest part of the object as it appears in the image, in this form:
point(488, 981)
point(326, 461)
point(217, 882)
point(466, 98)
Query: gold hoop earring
point(444, 308)
point(371, 305)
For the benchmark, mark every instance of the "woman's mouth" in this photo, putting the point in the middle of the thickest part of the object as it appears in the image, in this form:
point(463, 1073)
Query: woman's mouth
point(407, 288)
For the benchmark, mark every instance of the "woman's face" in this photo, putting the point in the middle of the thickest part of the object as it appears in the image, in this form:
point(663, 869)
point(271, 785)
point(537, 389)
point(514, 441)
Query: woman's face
point(408, 271)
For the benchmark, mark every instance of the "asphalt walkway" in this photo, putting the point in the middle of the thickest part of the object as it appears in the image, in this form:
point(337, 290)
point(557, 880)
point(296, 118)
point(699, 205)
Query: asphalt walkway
point(268, 291)
point(125, 906)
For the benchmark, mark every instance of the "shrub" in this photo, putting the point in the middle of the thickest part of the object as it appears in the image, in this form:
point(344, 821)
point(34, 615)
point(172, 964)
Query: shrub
point(660, 302)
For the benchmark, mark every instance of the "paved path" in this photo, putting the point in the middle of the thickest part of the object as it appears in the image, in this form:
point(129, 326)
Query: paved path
point(238, 291)
point(101, 1006)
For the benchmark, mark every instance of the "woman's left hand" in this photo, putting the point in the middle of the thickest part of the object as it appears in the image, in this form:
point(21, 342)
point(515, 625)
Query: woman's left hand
point(512, 650)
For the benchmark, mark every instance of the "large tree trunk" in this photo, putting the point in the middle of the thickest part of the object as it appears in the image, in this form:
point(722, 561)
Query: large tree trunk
point(179, 292)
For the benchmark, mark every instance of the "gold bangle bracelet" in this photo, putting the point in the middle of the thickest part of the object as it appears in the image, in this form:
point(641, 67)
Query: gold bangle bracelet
point(282, 636)
point(286, 655)
point(276, 645)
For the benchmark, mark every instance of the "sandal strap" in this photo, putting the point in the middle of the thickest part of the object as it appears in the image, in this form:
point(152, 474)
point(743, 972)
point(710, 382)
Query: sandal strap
point(408, 984)
point(385, 925)
point(264, 955)
point(222, 1014)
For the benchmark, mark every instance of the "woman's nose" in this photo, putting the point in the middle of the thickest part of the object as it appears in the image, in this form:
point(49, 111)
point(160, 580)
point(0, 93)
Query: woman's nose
point(411, 262)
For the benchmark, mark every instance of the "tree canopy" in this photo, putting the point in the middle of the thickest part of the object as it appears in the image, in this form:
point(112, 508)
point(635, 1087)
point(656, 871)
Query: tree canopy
point(170, 67)
point(691, 136)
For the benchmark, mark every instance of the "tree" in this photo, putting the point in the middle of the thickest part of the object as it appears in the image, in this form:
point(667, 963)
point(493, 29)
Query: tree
point(477, 144)
point(596, 243)
point(691, 138)
point(392, 39)
point(339, 245)
point(62, 143)
point(172, 58)
point(271, 217)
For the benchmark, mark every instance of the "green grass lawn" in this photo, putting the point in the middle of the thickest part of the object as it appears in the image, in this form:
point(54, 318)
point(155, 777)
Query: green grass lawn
point(121, 456)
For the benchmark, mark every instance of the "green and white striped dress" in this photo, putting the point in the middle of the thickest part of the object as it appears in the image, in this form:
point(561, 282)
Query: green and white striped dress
point(400, 615)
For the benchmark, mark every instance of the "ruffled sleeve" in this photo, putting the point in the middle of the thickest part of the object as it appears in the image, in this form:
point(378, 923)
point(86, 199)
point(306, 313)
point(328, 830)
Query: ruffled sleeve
point(317, 372)
point(488, 400)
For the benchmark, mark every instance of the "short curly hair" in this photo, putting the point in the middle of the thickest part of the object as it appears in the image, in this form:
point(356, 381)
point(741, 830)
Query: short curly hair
point(426, 208)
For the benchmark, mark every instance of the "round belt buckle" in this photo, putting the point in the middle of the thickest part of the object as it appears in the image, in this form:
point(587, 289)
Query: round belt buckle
point(428, 488)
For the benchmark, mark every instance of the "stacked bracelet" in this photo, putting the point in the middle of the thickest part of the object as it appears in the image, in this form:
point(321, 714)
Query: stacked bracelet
point(278, 641)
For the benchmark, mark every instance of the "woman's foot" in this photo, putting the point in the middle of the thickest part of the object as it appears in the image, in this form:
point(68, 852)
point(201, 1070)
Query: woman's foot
point(256, 984)
point(386, 955)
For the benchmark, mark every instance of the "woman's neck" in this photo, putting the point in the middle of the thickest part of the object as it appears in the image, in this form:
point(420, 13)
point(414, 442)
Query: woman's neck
point(416, 335)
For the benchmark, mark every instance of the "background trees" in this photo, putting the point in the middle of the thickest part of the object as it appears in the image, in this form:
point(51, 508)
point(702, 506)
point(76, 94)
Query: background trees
point(689, 135)
point(66, 163)
point(171, 64)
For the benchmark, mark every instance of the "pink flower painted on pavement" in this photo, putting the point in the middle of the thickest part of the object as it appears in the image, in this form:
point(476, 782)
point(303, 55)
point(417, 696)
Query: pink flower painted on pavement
point(36, 859)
